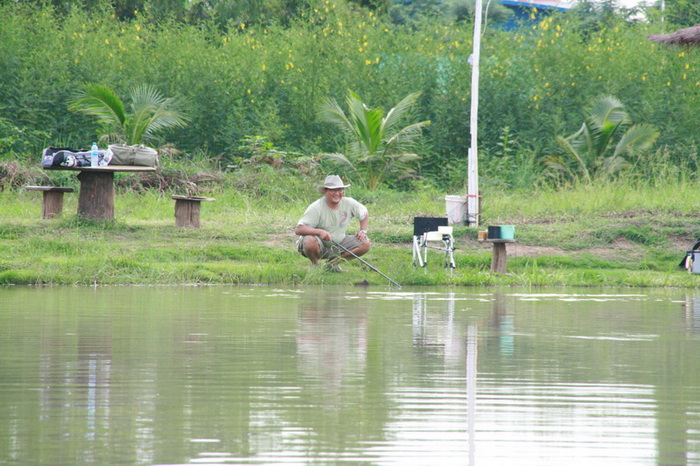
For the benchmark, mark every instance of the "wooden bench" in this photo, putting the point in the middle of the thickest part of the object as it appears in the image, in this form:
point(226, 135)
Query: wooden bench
point(52, 203)
point(187, 210)
point(499, 261)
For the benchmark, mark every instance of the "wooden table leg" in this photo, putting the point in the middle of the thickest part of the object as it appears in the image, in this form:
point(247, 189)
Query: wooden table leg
point(96, 199)
point(500, 258)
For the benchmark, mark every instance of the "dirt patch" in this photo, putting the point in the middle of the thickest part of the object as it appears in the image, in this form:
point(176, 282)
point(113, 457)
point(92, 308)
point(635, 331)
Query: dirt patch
point(281, 240)
point(620, 248)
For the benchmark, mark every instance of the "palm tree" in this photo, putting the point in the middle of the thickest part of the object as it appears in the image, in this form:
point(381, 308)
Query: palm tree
point(593, 147)
point(148, 113)
point(376, 146)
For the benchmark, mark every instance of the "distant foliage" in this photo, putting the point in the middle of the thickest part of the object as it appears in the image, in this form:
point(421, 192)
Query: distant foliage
point(268, 77)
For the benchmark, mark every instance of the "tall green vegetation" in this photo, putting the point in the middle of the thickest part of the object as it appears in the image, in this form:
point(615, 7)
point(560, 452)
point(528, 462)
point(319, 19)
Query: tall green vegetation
point(269, 78)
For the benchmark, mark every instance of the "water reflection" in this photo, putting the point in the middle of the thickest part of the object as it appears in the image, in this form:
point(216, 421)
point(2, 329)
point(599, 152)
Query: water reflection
point(233, 375)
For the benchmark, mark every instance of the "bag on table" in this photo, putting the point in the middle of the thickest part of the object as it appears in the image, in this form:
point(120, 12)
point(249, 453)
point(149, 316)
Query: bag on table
point(134, 155)
point(68, 157)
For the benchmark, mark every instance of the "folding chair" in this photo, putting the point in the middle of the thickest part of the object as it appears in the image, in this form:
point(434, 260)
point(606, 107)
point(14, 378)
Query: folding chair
point(432, 229)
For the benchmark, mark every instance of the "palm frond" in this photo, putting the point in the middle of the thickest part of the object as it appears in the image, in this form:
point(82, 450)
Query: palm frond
point(398, 112)
point(406, 137)
point(342, 159)
point(151, 112)
point(568, 148)
point(607, 108)
point(101, 102)
point(332, 113)
point(638, 137)
point(614, 164)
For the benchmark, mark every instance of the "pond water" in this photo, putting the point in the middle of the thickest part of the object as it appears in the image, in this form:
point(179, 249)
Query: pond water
point(328, 375)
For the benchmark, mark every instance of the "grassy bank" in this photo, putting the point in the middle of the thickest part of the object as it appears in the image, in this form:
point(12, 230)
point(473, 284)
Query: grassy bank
point(602, 235)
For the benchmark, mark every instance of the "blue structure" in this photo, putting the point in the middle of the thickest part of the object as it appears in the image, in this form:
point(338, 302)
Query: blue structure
point(524, 9)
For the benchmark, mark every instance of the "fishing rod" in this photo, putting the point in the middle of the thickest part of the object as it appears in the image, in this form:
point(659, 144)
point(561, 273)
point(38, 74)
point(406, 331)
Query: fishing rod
point(365, 262)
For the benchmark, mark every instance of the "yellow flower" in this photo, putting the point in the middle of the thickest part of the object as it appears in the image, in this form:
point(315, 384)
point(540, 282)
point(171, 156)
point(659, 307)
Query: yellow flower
point(138, 28)
point(368, 62)
point(107, 41)
point(264, 67)
point(248, 91)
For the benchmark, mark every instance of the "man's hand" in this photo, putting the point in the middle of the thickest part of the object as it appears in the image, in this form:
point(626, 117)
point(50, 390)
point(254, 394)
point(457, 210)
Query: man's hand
point(324, 235)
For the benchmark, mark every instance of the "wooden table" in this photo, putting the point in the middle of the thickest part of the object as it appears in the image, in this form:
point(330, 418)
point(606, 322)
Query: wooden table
point(499, 261)
point(96, 198)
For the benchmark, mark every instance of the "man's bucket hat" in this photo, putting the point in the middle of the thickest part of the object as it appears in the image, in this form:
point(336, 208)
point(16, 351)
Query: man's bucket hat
point(332, 182)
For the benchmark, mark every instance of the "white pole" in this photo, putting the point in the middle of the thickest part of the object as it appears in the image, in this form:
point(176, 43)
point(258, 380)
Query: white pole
point(473, 168)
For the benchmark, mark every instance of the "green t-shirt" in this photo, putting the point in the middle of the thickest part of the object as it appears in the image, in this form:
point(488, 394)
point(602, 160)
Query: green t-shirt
point(335, 222)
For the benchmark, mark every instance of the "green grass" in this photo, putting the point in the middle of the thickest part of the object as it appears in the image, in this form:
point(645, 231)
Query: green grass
point(607, 235)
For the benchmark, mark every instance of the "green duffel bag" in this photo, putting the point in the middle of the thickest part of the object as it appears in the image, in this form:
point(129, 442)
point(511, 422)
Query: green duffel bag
point(133, 155)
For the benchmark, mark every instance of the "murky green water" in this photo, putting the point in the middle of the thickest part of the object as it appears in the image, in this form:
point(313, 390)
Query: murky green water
point(262, 375)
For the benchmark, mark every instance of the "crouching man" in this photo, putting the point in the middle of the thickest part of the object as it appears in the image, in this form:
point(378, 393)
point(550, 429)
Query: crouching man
point(325, 222)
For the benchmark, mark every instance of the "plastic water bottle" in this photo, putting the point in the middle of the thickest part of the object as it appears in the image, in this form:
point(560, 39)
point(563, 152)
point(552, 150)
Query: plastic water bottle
point(94, 155)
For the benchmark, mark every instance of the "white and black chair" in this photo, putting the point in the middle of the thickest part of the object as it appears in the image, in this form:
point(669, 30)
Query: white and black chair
point(427, 230)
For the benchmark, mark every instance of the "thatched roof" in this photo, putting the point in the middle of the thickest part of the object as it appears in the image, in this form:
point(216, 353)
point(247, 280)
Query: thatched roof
point(687, 36)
